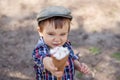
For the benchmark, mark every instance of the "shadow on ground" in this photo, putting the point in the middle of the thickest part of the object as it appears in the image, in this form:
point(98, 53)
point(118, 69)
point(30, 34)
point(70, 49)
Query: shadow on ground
point(18, 37)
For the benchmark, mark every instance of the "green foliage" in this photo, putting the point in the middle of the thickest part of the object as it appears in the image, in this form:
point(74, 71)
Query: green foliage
point(116, 55)
point(74, 44)
point(79, 75)
point(94, 50)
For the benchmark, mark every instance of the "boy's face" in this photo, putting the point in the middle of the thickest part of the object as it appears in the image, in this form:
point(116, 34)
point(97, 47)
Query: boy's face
point(54, 37)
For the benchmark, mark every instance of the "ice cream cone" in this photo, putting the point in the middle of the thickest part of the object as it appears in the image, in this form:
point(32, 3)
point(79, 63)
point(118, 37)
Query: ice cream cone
point(60, 57)
point(60, 64)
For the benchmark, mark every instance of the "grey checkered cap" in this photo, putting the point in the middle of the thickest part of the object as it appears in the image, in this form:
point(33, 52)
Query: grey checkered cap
point(53, 11)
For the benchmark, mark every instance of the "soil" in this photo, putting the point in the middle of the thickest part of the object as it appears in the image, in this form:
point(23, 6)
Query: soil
point(96, 23)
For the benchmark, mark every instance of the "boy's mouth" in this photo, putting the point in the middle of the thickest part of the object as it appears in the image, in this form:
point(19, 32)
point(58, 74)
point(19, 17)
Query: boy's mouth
point(58, 44)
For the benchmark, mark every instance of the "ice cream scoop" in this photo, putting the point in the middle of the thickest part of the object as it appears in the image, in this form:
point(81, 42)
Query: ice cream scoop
point(59, 52)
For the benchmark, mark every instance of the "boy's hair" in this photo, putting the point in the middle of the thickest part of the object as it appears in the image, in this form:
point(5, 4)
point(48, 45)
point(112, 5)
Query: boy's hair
point(57, 22)
point(57, 16)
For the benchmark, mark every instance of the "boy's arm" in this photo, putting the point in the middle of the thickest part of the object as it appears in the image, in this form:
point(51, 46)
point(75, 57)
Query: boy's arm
point(38, 56)
point(78, 66)
point(44, 61)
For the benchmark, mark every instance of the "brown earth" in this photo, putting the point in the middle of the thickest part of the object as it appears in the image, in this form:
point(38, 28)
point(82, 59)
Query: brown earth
point(96, 23)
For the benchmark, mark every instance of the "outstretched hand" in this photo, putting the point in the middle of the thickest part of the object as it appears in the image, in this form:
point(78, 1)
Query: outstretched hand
point(48, 64)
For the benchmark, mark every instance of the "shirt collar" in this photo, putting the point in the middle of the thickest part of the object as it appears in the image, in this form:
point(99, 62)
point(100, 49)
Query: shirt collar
point(41, 43)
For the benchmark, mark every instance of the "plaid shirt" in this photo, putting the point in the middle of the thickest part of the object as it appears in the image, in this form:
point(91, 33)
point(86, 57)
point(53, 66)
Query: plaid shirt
point(42, 50)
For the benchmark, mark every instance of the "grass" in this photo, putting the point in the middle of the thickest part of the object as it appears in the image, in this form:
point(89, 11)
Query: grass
point(74, 44)
point(94, 50)
point(116, 55)
point(79, 75)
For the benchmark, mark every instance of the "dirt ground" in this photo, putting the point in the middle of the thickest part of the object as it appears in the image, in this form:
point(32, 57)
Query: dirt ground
point(96, 24)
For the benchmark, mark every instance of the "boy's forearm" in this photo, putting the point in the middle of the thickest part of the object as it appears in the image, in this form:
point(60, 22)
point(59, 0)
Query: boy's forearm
point(77, 64)
point(46, 62)
point(38, 58)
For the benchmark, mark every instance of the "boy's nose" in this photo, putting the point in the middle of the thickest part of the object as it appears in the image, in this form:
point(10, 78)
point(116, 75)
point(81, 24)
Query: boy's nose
point(57, 39)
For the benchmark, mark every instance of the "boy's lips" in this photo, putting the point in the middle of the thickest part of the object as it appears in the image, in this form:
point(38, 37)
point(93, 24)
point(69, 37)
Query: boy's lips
point(56, 44)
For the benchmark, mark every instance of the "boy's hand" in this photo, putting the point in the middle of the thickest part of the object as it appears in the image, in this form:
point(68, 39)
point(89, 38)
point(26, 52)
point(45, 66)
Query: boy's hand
point(84, 68)
point(81, 67)
point(48, 64)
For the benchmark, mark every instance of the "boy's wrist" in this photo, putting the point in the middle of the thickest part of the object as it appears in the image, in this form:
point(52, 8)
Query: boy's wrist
point(76, 64)
point(45, 60)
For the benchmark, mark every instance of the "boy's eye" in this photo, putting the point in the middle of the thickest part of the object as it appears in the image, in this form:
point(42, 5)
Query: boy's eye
point(63, 34)
point(50, 34)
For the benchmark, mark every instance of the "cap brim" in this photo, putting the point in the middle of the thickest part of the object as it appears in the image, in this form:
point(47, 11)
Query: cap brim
point(47, 17)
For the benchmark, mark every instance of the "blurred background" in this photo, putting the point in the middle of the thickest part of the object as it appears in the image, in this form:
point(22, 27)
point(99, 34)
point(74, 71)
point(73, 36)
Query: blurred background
point(95, 33)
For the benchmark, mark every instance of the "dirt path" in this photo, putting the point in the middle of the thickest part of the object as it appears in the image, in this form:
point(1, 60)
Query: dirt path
point(95, 28)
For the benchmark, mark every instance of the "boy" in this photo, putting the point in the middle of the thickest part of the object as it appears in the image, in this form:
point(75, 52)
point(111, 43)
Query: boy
point(53, 28)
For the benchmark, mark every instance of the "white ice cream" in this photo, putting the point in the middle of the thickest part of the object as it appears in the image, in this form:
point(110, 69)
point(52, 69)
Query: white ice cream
point(59, 52)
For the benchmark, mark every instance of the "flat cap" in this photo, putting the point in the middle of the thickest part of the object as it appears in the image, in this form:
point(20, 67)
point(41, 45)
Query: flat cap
point(53, 11)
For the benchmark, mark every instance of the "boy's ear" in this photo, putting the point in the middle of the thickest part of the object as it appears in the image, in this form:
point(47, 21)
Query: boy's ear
point(39, 31)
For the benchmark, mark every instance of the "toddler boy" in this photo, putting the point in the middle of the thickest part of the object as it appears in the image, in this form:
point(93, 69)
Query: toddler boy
point(53, 28)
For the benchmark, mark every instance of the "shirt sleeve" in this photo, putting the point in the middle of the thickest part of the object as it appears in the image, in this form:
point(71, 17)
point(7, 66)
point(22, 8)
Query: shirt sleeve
point(38, 54)
point(72, 55)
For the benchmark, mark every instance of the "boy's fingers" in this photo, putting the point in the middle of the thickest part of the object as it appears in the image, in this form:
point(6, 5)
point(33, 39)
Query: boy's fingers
point(86, 71)
point(49, 64)
point(53, 68)
point(84, 68)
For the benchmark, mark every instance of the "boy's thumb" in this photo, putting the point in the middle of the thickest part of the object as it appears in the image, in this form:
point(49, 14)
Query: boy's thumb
point(54, 68)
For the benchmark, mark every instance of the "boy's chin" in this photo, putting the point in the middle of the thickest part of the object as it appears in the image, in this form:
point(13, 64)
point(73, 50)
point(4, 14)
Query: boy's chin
point(53, 46)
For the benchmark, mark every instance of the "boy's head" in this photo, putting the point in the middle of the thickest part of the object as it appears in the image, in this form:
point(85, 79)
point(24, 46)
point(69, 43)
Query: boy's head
point(54, 25)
